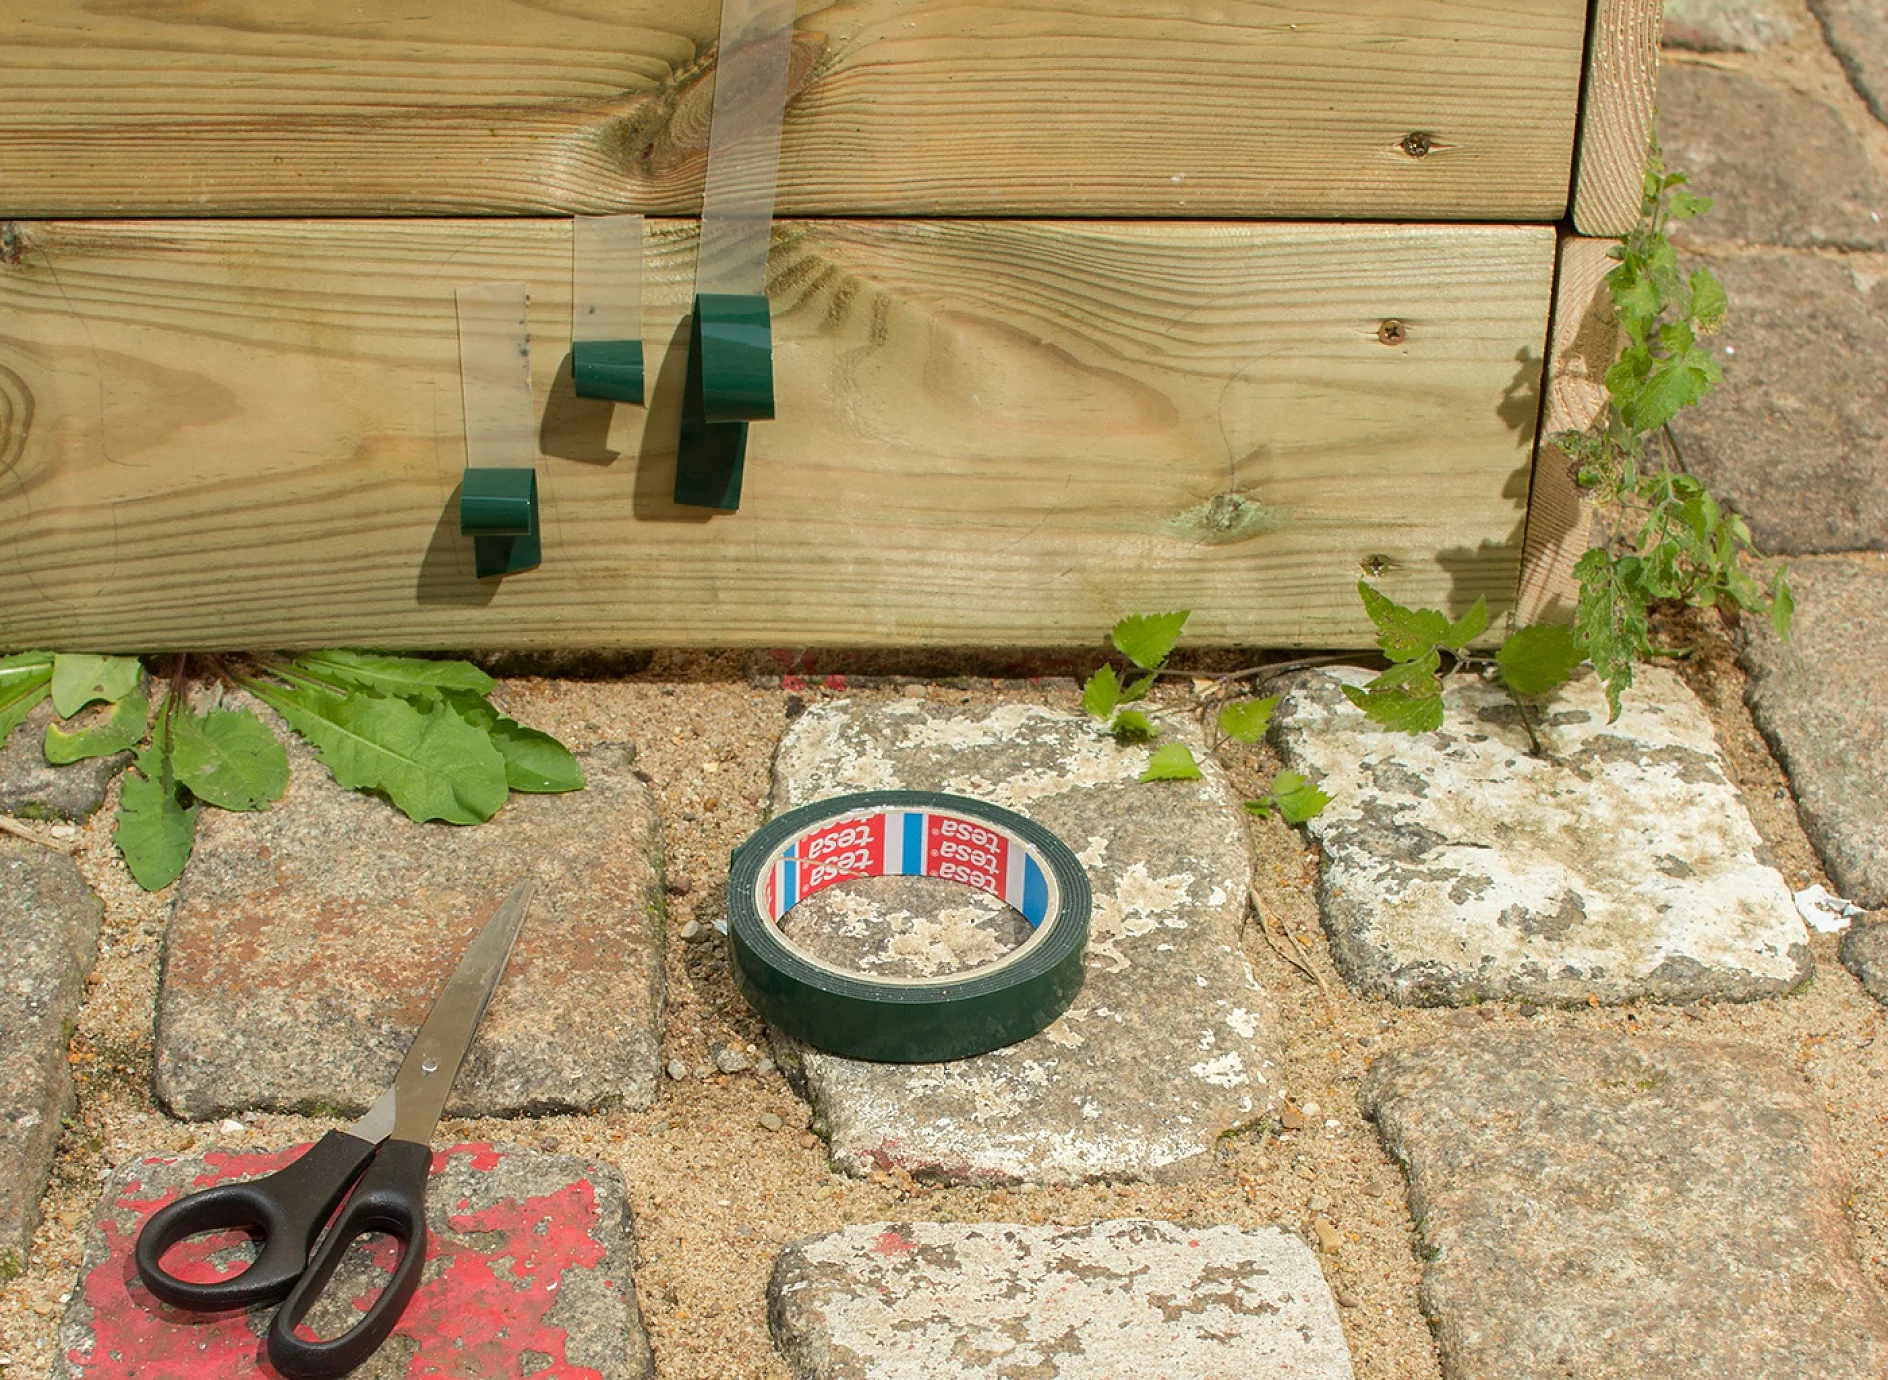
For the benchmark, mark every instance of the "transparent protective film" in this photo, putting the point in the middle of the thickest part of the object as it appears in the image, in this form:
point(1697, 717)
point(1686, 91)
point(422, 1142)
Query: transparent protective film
point(744, 146)
point(495, 376)
point(606, 278)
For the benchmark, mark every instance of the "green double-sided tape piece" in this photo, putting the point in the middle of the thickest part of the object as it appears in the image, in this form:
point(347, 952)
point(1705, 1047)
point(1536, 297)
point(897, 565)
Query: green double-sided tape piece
point(913, 834)
point(611, 369)
point(498, 509)
point(730, 383)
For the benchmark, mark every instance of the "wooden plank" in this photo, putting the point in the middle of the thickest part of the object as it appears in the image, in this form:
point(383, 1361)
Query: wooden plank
point(1583, 345)
point(238, 434)
point(1084, 108)
point(1616, 107)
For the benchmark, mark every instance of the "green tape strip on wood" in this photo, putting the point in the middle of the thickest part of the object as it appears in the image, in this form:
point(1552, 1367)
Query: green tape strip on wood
point(498, 501)
point(730, 358)
point(606, 354)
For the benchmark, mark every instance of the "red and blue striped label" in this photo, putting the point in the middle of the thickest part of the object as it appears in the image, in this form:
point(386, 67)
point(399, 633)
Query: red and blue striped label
point(908, 843)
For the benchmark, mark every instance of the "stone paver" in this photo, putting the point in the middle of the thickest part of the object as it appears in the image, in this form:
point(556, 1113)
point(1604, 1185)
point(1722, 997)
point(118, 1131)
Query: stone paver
point(307, 942)
point(528, 1272)
point(1459, 868)
point(933, 1301)
point(1610, 1206)
point(1170, 1040)
point(1716, 26)
point(1783, 167)
point(1857, 31)
point(1818, 700)
point(49, 921)
point(1796, 436)
point(32, 788)
point(1865, 953)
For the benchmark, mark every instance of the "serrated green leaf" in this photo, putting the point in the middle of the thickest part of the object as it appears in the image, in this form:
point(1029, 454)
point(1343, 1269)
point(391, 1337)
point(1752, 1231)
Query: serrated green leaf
point(1245, 721)
point(429, 762)
point(25, 680)
point(1672, 386)
point(1420, 678)
point(1399, 711)
point(1782, 605)
point(1403, 634)
point(1628, 375)
point(1469, 626)
point(1102, 693)
point(405, 676)
point(1635, 301)
point(1296, 798)
point(1610, 619)
point(155, 830)
point(1137, 688)
point(534, 760)
point(1708, 300)
point(1172, 762)
point(228, 758)
point(1132, 726)
point(119, 730)
point(1261, 808)
point(1685, 205)
point(1146, 639)
point(1539, 659)
point(81, 678)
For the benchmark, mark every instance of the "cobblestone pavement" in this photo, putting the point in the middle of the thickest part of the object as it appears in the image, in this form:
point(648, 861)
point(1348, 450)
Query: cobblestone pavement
point(1563, 1120)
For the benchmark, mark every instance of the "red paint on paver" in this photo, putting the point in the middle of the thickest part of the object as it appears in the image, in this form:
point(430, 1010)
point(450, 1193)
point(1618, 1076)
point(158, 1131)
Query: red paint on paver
point(474, 1315)
point(891, 1242)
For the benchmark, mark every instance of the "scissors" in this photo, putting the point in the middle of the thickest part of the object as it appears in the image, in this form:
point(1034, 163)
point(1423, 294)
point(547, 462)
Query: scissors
point(387, 1151)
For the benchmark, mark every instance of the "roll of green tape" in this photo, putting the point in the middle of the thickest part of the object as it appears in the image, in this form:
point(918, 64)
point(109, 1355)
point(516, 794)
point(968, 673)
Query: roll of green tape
point(908, 834)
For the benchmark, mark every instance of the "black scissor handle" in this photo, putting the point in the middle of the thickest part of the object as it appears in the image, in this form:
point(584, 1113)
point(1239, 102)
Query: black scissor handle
point(286, 1208)
point(390, 1198)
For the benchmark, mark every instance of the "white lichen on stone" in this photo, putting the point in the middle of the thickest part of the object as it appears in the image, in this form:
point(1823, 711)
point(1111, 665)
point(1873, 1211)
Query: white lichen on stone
point(919, 1301)
point(1458, 866)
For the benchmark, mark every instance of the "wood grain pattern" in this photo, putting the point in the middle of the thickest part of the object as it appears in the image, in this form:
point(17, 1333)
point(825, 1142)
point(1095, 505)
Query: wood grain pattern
point(1088, 108)
point(1582, 347)
point(1616, 107)
point(236, 434)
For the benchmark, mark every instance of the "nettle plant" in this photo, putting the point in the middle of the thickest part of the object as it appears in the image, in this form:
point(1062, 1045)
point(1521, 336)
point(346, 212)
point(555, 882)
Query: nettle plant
point(1664, 538)
point(1147, 640)
point(419, 732)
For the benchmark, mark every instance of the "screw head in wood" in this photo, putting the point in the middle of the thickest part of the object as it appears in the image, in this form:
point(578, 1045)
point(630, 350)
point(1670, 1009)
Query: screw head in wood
point(1417, 143)
point(1391, 331)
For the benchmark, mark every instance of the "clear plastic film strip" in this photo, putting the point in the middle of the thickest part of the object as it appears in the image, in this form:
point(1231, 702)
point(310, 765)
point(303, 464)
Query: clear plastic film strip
point(498, 504)
point(606, 354)
point(744, 146)
point(730, 378)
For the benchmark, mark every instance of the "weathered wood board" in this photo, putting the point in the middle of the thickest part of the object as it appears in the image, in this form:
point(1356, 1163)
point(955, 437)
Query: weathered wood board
point(1616, 108)
point(224, 434)
point(1583, 345)
point(1086, 108)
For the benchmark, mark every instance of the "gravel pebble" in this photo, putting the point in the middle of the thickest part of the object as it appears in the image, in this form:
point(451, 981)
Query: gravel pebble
point(730, 1060)
point(691, 930)
point(677, 1070)
point(770, 1122)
